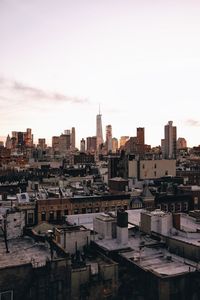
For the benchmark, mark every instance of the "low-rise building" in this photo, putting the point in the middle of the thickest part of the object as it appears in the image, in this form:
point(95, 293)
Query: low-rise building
point(53, 210)
point(151, 169)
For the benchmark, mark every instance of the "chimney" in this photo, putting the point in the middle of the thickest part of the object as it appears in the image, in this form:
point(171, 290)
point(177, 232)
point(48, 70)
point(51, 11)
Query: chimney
point(122, 227)
point(177, 221)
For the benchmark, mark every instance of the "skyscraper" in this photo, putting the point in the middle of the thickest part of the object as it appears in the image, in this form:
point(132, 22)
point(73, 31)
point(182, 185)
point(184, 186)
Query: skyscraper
point(99, 133)
point(91, 144)
point(55, 143)
point(73, 138)
point(123, 140)
point(42, 144)
point(170, 141)
point(28, 137)
point(140, 135)
point(181, 143)
point(8, 142)
point(82, 146)
point(109, 138)
point(114, 145)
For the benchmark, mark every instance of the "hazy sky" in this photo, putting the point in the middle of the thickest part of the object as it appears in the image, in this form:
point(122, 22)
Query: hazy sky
point(139, 59)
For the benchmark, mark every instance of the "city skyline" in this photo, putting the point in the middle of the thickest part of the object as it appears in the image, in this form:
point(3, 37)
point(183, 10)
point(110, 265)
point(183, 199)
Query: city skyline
point(139, 60)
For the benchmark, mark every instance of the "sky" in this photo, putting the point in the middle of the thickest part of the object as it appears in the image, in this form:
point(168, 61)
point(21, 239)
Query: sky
point(138, 59)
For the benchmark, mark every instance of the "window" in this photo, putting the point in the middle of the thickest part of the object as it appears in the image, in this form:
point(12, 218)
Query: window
point(178, 206)
point(166, 173)
point(172, 207)
point(155, 166)
point(51, 215)
point(30, 218)
point(43, 216)
point(58, 214)
point(165, 207)
point(185, 206)
point(8, 295)
point(66, 212)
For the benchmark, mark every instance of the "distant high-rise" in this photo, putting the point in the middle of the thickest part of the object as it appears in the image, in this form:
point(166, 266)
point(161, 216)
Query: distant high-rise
point(42, 144)
point(82, 146)
point(55, 143)
point(140, 135)
point(22, 139)
point(123, 140)
point(8, 142)
point(73, 138)
point(64, 142)
point(109, 138)
point(99, 133)
point(170, 141)
point(28, 138)
point(114, 145)
point(181, 143)
point(92, 144)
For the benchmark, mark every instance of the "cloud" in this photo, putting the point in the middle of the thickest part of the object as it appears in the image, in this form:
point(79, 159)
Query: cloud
point(25, 92)
point(192, 123)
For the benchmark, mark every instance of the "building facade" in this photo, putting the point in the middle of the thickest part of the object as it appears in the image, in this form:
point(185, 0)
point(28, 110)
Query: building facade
point(99, 133)
point(169, 141)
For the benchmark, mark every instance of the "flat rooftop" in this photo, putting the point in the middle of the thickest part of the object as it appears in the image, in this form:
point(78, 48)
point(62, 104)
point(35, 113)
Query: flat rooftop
point(148, 254)
point(189, 223)
point(23, 251)
point(87, 219)
point(159, 261)
point(134, 242)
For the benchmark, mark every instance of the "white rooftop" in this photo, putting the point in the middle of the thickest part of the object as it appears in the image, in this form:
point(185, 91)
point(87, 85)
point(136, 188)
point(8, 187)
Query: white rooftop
point(159, 261)
point(23, 251)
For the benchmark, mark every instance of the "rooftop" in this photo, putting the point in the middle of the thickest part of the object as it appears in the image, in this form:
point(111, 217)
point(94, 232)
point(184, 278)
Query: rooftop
point(105, 217)
point(87, 219)
point(134, 242)
point(159, 261)
point(149, 255)
point(23, 251)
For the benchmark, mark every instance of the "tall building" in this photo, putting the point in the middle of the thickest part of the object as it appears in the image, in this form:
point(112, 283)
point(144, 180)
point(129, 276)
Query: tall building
point(8, 142)
point(99, 133)
point(109, 138)
point(67, 131)
point(170, 141)
point(92, 144)
point(55, 143)
point(114, 145)
point(28, 138)
point(15, 136)
point(140, 135)
point(73, 138)
point(64, 142)
point(22, 139)
point(181, 143)
point(123, 140)
point(82, 146)
point(42, 144)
